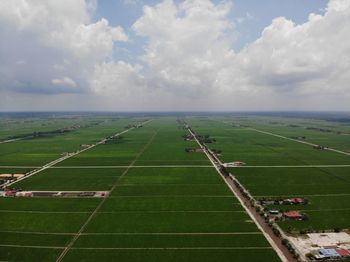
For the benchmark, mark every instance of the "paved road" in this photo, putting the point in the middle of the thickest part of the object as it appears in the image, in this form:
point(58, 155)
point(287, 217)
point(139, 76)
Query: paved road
point(274, 241)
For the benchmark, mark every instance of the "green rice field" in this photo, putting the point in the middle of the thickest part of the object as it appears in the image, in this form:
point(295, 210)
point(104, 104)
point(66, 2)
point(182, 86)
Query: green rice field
point(166, 204)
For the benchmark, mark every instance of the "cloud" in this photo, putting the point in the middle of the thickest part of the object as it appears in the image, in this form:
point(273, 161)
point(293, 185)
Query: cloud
point(187, 55)
point(65, 82)
point(311, 58)
point(55, 38)
point(187, 44)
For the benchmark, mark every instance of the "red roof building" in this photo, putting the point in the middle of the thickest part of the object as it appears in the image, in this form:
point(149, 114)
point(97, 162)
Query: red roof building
point(293, 215)
point(343, 252)
point(298, 200)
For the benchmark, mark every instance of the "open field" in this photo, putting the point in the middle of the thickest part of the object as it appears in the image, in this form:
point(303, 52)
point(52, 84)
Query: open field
point(41, 150)
point(325, 187)
point(166, 204)
point(163, 211)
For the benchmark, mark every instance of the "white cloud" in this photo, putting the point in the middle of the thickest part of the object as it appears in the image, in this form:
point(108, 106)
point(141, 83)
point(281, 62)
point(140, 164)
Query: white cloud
point(64, 82)
point(55, 38)
point(119, 79)
point(188, 44)
point(311, 58)
point(188, 55)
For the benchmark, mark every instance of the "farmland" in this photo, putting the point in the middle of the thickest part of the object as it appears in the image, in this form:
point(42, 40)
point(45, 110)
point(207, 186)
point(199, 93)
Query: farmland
point(283, 167)
point(166, 202)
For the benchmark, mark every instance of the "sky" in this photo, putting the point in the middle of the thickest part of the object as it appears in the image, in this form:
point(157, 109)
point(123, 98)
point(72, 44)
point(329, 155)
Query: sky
point(174, 55)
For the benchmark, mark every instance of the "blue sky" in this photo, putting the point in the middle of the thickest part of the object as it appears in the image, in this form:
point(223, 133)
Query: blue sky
point(257, 14)
point(171, 55)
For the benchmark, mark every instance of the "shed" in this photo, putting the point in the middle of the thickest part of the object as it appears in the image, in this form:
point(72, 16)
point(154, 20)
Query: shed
point(343, 252)
point(329, 253)
point(293, 215)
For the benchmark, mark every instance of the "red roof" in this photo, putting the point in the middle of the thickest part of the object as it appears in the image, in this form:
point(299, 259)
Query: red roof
point(298, 200)
point(293, 214)
point(343, 252)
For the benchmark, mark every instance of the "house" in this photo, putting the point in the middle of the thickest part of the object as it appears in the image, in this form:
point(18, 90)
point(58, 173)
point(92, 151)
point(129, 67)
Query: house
point(329, 253)
point(10, 193)
point(24, 194)
point(295, 201)
point(234, 164)
point(343, 252)
point(274, 212)
point(294, 215)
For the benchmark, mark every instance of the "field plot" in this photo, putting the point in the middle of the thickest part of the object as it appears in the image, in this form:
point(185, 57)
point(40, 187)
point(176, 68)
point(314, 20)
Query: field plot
point(254, 148)
point(316, 175)
point(39, 151)
point(165, 220)
point(168, 148)
point(322, 132)
point(72, 179)
point(154, 213)
point(326, 189)
point(119, 152)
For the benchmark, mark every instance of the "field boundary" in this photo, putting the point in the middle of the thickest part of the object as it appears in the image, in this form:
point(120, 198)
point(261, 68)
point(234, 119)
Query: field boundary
point(71, 243)
point(278, 251)
point(296, 140)
point(54, 162)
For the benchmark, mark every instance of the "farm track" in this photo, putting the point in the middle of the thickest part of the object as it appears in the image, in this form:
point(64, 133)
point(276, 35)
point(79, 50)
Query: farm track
point(274, 241)
point(54, 162)
point(139, 234)
point(180, 166)
point(75, 238)
point(138, 248)
point(118, 212)
point(296, 140)
point(12, 140)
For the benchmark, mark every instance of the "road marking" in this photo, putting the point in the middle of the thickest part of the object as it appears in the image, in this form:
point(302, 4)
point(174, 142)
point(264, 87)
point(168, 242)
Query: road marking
point(77, 235)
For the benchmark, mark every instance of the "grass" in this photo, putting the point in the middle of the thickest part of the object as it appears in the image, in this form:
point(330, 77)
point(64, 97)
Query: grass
point(171, 203)
point(171, 190)
point(171, 222)
point(42, 222)
point(28, 254)
point(254, 255)
point(34, 239)
point(164, 241)
point(48, 204)
point(327, 189)
point(164, 176)
point(148, 202)
point(72, 179)
point(294, 181)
